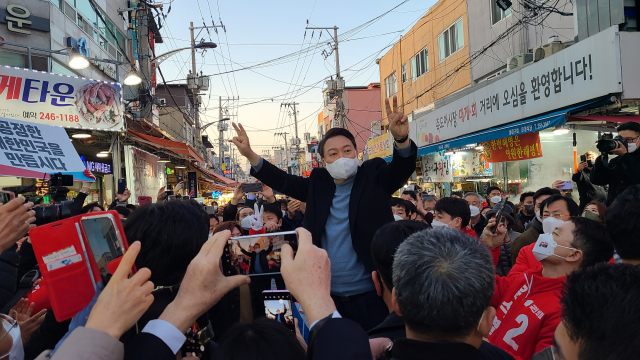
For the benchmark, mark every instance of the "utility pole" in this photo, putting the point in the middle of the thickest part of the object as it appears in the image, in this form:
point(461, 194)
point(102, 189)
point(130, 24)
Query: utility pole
point(296, 140)
point(338, 85)
point(286, 149)
point(220, 135)
point(142, 17)
point(195, 88)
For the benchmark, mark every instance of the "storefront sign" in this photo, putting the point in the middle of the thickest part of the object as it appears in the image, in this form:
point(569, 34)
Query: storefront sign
point(436, 168)
point(379, 146)
point(518, 147)
point(192, 183)
point(470, 163)
point(145, 175)
point(51, 99)
point(34, 151)
point(586, 70)
point(18, 19)
point(96, 166)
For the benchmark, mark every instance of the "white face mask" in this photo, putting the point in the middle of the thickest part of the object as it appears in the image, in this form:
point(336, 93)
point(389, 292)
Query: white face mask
point(246, 223)
point(284, 213)
point(437, 223)
point(343, 168)
point(17, 351)
point(397, 217)
point(474, 211)
point(215, 209)
point(545, 247)
point(496, 199)
point(549, 224)
point(632, 147)
point(538, 215)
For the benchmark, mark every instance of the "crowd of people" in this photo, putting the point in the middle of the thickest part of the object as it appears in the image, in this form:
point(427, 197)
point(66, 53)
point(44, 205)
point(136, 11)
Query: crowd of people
point(467, 276)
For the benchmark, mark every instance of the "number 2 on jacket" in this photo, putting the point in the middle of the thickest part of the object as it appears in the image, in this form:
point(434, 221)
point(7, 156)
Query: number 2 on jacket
point(523, 320)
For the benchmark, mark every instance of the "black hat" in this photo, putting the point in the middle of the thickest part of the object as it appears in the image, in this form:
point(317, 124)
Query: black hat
point(507, 212)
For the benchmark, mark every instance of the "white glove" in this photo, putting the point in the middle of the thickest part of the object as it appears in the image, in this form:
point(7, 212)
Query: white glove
point(256, 218)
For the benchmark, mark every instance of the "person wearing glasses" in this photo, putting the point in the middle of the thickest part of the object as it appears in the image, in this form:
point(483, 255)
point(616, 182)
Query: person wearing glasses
point(624, 170)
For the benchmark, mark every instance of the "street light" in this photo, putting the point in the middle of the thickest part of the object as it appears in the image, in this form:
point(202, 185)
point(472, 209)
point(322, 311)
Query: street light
point(132, 77)
point(214, 122)
point(77, 61)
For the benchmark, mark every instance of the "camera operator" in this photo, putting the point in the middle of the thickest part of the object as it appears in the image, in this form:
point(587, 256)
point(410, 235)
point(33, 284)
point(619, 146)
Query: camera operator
point(588, 192)
point(624, 170)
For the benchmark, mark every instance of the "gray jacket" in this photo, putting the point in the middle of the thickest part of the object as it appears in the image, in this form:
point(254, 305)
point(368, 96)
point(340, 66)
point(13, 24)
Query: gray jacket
point(85, 343)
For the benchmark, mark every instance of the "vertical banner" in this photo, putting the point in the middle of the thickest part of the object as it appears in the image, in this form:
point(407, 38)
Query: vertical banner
point(436, 168)
point(145, 175)
point(193, 183)
point(513, 148)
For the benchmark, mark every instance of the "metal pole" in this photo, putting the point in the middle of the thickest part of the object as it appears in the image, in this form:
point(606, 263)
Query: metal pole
point(195, 89)
point(30, 63)
point(335, 35)
point(143, 43)
point(220, 135)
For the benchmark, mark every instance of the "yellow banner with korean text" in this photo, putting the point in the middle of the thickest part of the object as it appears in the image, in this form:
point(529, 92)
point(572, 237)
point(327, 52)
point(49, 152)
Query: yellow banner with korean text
point(379, 146)
point(513, 148)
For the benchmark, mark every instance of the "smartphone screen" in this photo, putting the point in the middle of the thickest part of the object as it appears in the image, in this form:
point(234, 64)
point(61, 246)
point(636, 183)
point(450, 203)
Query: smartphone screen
point(122, 184)
point(104, 242)
point(278, 306)
point(252, 187)
point(258, 254)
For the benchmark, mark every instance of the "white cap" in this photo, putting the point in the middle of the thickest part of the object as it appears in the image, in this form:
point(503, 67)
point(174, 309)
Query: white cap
point(474, 210)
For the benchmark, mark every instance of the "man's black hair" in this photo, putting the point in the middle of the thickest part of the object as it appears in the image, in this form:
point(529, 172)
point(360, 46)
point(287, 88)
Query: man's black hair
point(263, 339)
point(410, 193)
point(601, 312)
point(213, 216)
point(131, 207)
point(545, 191)
point(273, 209)
point(574, 209)
point(491, 188)
point(87, 208)
point(171, 235)
point(385, 243)
point(634, 126)
point(457, 193)
point(623, 223)
point(333, 133)
point(593, 239)
point(525, 195)
point(405, 204)
point(455, 208)
point(123, 211)
point(411, 209)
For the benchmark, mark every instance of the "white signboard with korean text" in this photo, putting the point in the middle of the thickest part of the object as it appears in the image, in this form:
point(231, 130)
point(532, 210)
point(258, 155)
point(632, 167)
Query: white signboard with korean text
point(51, 99)
point(586, 70)
point(436, 168)
point(145, 175)
point(35, 151)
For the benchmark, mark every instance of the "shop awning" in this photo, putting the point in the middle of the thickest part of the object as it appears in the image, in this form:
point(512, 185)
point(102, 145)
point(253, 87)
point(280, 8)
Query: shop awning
point(607, 118)
point(214, 176)
point(176, 147)
point(536, 123)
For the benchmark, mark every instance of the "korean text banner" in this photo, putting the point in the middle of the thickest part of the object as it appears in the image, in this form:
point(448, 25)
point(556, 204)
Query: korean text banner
point(586, 70)
point(379, 146)
point(517, 147)
point(436, 168)
point(35, 151)
point(50, 99)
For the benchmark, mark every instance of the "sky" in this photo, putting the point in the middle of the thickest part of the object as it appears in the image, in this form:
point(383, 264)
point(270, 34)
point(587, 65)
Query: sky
point(259, 31)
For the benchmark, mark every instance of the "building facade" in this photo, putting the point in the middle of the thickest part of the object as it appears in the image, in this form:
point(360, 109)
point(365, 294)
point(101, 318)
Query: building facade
point(176, 112)
point(430, 61)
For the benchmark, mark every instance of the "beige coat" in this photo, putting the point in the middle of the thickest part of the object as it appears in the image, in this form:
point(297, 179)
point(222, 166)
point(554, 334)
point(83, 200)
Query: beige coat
point(84, 343)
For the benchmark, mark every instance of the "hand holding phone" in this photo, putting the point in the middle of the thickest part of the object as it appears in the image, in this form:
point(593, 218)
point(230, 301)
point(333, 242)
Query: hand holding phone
point(122, 186)
point(251, 187)
point(279, 307)
point(499, 215)
point(127, 297)
point(567, 185)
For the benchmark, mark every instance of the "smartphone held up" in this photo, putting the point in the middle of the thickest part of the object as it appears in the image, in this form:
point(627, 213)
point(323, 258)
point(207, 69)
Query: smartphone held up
point(257, 254)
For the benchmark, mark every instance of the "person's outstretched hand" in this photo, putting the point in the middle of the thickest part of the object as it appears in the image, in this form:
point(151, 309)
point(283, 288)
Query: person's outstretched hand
point(21, 312)
point(491, 240)
point(16, 218)
point(161, 195)
point(124, 299)
point(241, 140)
point(203, 284)
point(179, 186)
point(398, 122)
point(124, 196)
point(267, 192)
point(237, 194)
point(308, 276)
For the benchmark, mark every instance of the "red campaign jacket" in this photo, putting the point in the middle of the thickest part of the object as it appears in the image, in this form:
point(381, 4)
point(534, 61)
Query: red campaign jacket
point(527, 312)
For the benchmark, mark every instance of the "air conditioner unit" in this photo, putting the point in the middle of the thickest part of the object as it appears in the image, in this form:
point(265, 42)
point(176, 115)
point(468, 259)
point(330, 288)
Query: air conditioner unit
point(203, 83)
point(340, 83)
point(331, 84)
point(519, 60)
point(547, 50)
point(162, 102)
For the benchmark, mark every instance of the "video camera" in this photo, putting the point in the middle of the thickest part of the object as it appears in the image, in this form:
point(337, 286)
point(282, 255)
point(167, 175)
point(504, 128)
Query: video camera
point(609, 143)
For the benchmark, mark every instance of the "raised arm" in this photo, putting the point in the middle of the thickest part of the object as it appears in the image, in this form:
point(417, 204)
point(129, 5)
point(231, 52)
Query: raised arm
point(294, 186)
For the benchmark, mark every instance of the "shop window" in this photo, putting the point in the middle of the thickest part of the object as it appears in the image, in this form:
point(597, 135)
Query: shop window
point(419, 64)
point(391, 85)
point(451, 40)
point(69, 11)
point(84, 8)
point(112, 51)
point(22, 61)
point(404, 73)
point(498, 14)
